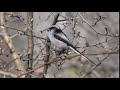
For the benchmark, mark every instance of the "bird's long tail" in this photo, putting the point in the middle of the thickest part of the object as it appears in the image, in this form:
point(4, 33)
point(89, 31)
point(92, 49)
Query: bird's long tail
point(76, 51)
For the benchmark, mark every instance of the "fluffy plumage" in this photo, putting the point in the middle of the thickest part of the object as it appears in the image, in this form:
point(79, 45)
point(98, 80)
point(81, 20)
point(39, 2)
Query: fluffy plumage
point(59, 39)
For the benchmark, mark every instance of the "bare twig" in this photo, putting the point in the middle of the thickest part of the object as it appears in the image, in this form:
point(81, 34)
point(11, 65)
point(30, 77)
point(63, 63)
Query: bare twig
point(83, 20)
point(86, 22)
point(100, 18)
point(95, 66)
point(55, 19)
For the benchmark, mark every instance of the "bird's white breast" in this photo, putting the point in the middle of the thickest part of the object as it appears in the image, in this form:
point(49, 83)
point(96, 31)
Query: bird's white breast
point(55, 41)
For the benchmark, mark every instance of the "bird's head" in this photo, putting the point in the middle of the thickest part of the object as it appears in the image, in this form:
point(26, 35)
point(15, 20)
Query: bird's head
point(54, 28)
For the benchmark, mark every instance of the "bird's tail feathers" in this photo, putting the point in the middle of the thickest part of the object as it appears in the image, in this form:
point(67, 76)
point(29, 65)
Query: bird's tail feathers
point(74, 49)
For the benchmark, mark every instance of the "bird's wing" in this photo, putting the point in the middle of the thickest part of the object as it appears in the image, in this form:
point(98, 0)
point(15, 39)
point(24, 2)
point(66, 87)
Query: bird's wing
point(63, 36)
point(64, 39)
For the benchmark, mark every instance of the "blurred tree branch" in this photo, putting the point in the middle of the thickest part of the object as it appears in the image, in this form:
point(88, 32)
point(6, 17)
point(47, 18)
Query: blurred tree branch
point(8, 41)
point(8, 74)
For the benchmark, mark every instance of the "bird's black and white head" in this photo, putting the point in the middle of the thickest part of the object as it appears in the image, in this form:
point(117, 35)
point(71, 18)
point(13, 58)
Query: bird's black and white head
point(54, 28)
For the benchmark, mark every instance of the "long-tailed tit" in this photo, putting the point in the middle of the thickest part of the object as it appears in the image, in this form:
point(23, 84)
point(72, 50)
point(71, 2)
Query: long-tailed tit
point(59, 39)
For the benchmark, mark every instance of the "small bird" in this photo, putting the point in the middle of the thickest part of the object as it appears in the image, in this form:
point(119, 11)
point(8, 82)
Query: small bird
point(59, 39)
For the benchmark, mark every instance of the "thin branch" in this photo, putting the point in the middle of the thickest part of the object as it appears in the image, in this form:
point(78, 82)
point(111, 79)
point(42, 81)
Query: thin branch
point(55, 19)
point(8, 74)
point(48, 44)
point(94, 67)
point(19, 30)
point(83, 20)
point(100, 18)
point(30, 43)
point(86, 22)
